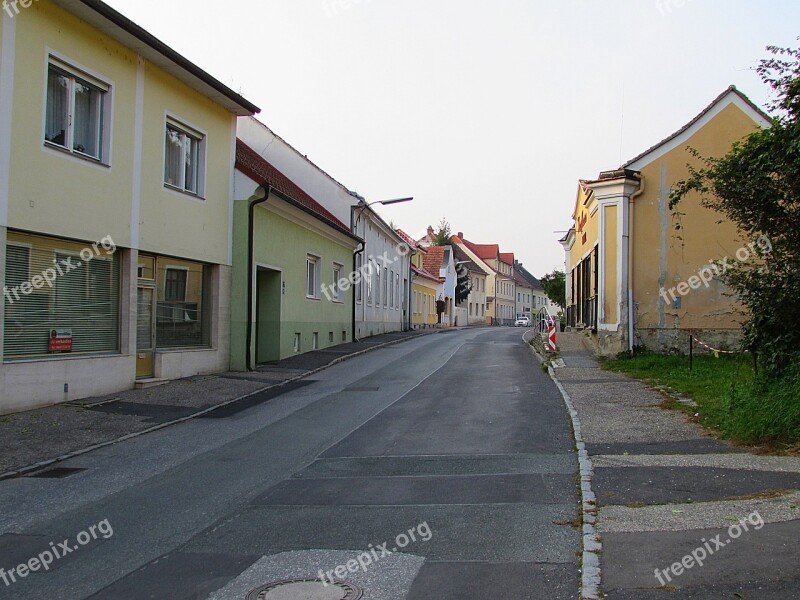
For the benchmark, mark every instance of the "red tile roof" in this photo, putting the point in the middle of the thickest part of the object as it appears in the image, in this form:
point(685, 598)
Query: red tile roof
point(257, 168)
point(414, 245)
point(484, 251)
point(507, 257)
point(426, 274)
point(434, 259)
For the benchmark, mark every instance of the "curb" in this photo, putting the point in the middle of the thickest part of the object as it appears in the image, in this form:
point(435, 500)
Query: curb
point(22, 471)
point(591, 574)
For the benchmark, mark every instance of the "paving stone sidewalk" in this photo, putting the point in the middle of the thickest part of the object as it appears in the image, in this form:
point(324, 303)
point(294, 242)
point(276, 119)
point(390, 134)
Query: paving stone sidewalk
point(666, 488)
point(40, 436)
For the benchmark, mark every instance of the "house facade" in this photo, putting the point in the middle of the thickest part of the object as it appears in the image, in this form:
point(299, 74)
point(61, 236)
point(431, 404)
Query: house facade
point(291, 292)
point(501, 288)
point(116, 169)
point(424, 286)
point(633, 278)
point(439, 259)
point(382, 299)
point(475, 304)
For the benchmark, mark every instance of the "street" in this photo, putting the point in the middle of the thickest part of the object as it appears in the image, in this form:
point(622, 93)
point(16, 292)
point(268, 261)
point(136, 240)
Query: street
point(446, 464)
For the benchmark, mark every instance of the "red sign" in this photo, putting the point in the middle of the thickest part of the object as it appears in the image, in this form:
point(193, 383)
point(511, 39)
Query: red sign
point(584, 218)
point(60, 341)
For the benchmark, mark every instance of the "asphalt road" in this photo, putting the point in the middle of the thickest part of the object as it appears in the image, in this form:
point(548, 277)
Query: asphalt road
point(445, 462)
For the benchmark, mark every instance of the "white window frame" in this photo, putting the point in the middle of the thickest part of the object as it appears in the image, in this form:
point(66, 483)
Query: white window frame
point(312, 259)
point(201, 137)
point(86, 76)
point(338, 269)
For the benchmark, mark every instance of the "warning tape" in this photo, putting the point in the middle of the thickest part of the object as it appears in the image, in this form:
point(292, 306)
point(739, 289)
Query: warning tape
point(715, 350)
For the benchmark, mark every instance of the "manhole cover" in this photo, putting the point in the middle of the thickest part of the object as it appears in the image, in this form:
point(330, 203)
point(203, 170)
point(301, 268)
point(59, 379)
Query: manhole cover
point(306, 589)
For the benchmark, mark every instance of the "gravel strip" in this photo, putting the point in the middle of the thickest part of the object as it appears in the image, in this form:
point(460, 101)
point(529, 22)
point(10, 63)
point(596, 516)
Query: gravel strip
point(741, 462)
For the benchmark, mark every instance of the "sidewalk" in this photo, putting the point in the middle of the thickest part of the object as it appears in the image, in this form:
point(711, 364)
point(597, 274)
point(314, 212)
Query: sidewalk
point(666, 489)
point(33, 440)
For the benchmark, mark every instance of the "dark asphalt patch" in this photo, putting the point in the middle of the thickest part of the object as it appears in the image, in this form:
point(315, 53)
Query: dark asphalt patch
point(674, 485)
point(697, 446)
point(477, 489)
point(179, 576)
point(255, 400)
point(742, 566)
point(151, 413)
point(495, 581)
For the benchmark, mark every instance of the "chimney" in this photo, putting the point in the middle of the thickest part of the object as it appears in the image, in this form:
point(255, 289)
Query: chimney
point(461, 234)
point(430, 230)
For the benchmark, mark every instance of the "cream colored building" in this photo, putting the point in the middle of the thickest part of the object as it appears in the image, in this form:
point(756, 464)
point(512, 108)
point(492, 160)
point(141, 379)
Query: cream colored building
point(500, 291)
point(116, 173)
point(632, 277)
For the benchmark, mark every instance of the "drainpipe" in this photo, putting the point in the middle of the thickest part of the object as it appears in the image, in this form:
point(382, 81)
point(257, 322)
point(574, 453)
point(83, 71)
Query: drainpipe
point(355, 267)
point(631, 204)
point(250, 275)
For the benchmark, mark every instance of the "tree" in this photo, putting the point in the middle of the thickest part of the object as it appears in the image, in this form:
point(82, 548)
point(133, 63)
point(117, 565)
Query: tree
point(554, 285)
point(757, 187)
point(463, 285)
point(441, 236)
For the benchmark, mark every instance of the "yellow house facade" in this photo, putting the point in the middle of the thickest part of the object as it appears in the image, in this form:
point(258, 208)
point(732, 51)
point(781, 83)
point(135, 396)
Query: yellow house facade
point(639, 274)
point(424, 286)
point(116, 171)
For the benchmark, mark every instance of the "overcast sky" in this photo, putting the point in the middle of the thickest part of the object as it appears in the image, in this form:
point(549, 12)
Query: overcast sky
point(486, 112)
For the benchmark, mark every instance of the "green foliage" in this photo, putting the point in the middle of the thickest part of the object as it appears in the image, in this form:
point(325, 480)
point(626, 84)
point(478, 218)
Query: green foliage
point(731, 398)
point(554, 285)
point(463, 285)
point(441, 236)
point(757, 187)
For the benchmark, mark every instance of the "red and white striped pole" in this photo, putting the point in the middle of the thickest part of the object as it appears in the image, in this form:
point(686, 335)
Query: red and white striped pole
point(551, 335)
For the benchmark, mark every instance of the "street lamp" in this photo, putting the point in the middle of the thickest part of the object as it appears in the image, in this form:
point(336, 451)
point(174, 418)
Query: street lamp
point(363, 204)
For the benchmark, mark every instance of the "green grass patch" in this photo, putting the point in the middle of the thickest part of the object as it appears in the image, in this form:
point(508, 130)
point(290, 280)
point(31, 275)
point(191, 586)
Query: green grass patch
point(732, 399)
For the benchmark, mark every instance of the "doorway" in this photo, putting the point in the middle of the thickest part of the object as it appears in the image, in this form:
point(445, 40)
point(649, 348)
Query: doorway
point(145, 367)
point(269, 289)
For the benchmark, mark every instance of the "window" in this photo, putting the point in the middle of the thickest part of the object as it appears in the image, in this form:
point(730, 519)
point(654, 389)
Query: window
point(296, 343)
point(184, 157)
point(82, 302)
point(391, 289)
point(359, 281)
point(175, 284)
point(377, 285)
point(75, 115)
point(183, 301)
point(312, 277)
point(386, 286)
point(337, 275)
point(397, 290)
point(330, 337)
point(315, 341)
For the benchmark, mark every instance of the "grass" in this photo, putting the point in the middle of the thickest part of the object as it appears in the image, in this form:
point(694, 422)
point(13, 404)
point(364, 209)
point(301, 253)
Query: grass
point(732, 400)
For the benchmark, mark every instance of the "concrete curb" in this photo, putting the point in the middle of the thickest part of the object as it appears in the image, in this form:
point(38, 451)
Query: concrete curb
point(591, 574)
point(22, 471)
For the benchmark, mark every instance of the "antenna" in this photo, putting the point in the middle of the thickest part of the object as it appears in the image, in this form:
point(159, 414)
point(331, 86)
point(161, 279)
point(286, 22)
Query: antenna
point(622, 122)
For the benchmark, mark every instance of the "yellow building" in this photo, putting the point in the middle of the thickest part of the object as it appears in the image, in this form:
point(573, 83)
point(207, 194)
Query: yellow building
point(424, 286)
point(633, 278)
point(116, 159)
point(501, 302)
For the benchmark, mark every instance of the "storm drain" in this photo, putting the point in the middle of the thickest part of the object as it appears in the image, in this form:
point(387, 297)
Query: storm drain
point(306, 589)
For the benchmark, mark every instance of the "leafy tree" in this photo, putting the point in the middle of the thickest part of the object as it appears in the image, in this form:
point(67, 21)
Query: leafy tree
point(463, 285)
point(757, 187)
point(442, 235)
point(555, 286)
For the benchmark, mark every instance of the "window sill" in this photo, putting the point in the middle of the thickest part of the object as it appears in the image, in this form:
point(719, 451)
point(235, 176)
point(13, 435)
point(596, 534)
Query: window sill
point(66, 356)
point(183, 192)
point(316, 299)
point(75, 154)
point(186, 349)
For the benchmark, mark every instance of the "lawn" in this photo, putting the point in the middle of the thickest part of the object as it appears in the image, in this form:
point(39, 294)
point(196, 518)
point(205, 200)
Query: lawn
point(732, 400)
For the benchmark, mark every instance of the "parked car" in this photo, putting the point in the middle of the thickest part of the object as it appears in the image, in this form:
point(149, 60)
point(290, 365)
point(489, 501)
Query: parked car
point(522, 322)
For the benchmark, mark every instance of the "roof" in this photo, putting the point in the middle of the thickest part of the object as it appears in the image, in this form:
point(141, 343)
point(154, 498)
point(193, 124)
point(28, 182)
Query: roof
point(463, 258)
point(118, 27)
point(732, 93)
point(484, 251)
point(424, 273)
point(508, 258)
point(519, 279)
point(414, 245)
point(433, 259)
point(535, 283)
point(257, 168)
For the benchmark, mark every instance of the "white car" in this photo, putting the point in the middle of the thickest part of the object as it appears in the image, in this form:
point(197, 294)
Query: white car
point(522, 322)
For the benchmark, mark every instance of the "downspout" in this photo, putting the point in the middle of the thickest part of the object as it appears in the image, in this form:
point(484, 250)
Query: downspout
point(250, 274)
point(631, 204)
point(353, 336)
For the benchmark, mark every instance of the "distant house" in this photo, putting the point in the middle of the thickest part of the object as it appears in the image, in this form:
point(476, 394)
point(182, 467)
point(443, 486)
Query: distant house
point(540, 299)
point(439, 259)
point(475, 304)
point(424, 286)
point(116, 169)
point(501, 288)
point(290, 288)
point(632, 278)
point(382, 298)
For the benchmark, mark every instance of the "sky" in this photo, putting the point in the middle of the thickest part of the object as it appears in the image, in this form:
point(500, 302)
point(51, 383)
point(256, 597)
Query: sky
point(487, 113)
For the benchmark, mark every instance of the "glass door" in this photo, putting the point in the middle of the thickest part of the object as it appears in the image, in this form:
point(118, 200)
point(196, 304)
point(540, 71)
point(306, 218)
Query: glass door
point(144, 333)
